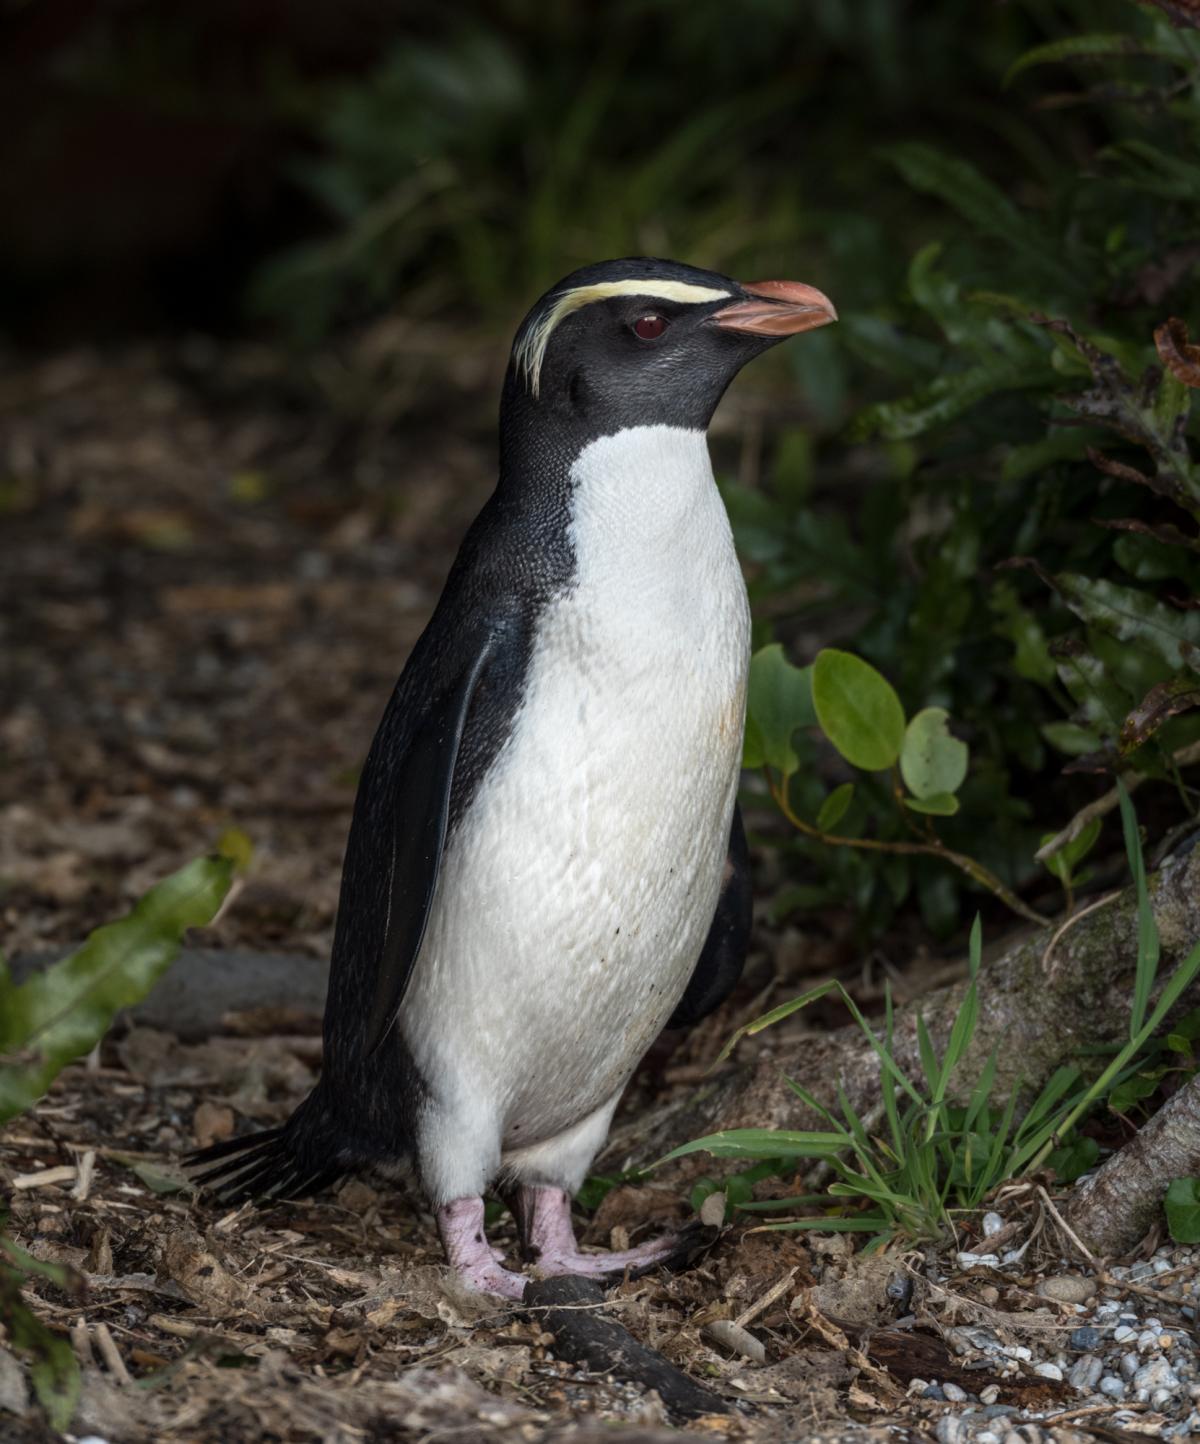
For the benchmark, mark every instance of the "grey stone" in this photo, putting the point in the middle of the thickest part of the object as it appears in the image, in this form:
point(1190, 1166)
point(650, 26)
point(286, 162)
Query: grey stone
point(1048, 1371)
point(1114, 1388)
point(1122, 1332)
point(1086, 1373)
point(954, 1393)
point(1157, 1374)
point(1085, 1339)
point(933, 1391)
point(14, 1395)
point(950, 1430)
point(1067, 1288)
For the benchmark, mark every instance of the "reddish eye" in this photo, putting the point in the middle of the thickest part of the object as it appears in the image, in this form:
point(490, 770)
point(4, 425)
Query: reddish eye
point(649, 328)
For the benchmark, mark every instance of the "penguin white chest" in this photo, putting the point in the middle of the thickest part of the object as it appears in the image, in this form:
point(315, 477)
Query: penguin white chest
point(577, 892)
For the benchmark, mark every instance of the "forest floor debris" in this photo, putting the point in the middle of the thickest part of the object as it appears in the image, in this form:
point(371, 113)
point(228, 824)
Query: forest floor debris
point(333, 1318)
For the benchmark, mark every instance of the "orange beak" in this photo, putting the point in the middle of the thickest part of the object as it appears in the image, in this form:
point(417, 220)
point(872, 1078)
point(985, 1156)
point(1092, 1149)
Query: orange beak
point(785, 308)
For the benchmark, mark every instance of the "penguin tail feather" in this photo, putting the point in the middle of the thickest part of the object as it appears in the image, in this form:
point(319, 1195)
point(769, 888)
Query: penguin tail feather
point(269, 1164)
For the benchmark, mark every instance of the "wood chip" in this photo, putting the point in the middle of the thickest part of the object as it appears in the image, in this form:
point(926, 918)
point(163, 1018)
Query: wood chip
point(46, 1177)
point(732, 1336)
point(83, 1183)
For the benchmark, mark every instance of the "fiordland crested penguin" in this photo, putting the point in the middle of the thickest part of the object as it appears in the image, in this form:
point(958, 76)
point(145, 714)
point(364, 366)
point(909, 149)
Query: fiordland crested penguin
point(546, 864)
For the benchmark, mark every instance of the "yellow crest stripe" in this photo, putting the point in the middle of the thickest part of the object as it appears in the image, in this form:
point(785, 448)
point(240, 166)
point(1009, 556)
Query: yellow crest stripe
point(531, 349)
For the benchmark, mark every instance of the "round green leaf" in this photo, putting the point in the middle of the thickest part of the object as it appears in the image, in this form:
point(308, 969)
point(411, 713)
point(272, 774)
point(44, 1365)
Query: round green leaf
point(941, 804)
point(778, 700)
point(858, 710)
point(833, 809)
point(932, 762)
point(1182, 1205)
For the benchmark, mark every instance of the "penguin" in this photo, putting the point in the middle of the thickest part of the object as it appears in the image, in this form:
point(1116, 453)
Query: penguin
point(546, 864)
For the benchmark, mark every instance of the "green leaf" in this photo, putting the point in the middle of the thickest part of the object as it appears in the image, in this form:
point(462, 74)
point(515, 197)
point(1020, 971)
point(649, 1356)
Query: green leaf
point(962, 187)
point(1182, 1207)
point(62, 1012)
point(1133, 616)
point(941, 804)
point(946, 397)
point(1148, 939)
point(1074, 1158)
point(52, 1368)
point(1132, 1090)
point(1093, 47)
point(1070, 738)
point(1016, 622)
point(858, 710)
point(761, 1143)
point(932, 762)
point(833, 809)
point(778, 701)
point(1063, 862)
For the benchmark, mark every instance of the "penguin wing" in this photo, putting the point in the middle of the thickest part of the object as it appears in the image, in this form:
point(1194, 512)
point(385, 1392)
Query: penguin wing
point(420, 790)
point(724, 954)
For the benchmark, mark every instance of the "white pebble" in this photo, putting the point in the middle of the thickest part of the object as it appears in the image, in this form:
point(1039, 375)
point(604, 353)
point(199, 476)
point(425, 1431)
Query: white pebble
point(1157, 1374)
point(954, 1393)
point(950, 1430)
point(990, 1394)
point(1017, 1351)
point(1114, 1388)
point(968, 1260)
point(1048, 1371)
point(992, 1224)
point(1122, 1332)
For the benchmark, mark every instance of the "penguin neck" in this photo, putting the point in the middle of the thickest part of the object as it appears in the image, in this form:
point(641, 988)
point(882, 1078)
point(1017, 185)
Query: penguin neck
point(644, 472)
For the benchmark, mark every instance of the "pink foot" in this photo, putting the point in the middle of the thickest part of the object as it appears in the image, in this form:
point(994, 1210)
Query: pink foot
point(544, 1220)
point(469, 1254)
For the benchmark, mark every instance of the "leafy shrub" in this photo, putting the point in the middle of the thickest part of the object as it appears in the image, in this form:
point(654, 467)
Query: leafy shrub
point(1027, 558)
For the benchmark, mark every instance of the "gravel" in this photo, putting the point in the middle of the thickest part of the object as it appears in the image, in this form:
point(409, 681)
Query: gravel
point(1112, 1348)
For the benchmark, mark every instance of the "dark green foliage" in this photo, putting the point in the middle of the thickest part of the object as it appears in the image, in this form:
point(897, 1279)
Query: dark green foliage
point(57, 1015)
point(1182, 1207)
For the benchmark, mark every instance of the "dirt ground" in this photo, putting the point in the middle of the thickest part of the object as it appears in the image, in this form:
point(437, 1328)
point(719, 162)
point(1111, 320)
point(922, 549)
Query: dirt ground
point(213, 565)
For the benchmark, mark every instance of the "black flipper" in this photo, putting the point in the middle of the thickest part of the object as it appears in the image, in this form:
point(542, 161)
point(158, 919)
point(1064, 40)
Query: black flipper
point(422, 787)
point(724, 955)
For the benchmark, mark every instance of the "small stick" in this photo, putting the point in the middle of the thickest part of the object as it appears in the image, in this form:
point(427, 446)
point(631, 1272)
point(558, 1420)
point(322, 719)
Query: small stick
point(765, 1300)
point(111, 1355)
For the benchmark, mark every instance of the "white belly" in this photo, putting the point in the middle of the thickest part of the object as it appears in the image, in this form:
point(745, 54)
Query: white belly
point(576, 896)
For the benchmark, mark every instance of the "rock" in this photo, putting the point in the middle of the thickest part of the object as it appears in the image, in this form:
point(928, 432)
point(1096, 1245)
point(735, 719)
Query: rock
point(1048, 1371)
point(1067, 1288)
point(1157, 1374)
point(954, 1393)
point(1123, 1332)
point(1113, 1387)
point(1085, 1339)
point(992, 1224)
point(14, 1396)
point(1130, 1364)
point(967, 1260)
point(1085, 1373)
point(933, 1391)
point(950, 1430)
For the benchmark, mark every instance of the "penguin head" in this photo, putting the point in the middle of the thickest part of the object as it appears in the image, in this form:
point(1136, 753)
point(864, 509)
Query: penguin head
point(648, 342)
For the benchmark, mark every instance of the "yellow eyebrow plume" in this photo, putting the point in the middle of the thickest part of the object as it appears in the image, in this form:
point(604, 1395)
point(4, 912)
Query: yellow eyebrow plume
point(531, 349)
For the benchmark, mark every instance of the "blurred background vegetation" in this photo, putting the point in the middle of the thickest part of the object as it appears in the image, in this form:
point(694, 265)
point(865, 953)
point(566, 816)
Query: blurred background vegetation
point(956, 176)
